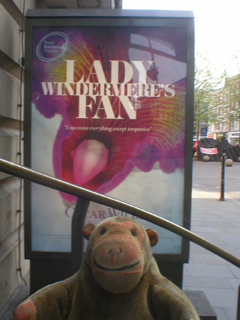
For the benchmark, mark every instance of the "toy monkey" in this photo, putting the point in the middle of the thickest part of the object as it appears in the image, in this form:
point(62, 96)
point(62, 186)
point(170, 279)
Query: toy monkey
point(119, 280)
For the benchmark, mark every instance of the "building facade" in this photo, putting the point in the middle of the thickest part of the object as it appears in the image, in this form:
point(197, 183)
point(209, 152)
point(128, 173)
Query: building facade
point(13, 266)
point(14, 269)
point(225, 115)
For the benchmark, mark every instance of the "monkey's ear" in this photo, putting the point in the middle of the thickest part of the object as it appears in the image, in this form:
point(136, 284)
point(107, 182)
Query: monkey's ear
point(153, 237)
point(87, 230)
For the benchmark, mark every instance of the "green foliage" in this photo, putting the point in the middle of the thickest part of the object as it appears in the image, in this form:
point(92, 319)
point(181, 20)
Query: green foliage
point(216, 95)
point(203, 88)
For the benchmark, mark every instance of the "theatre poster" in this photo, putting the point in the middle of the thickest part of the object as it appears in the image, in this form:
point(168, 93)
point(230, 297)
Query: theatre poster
point(108, 113)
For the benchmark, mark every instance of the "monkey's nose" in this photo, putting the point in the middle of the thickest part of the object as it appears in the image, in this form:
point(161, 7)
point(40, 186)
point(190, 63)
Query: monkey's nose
point(115, 251)
point(115, 256)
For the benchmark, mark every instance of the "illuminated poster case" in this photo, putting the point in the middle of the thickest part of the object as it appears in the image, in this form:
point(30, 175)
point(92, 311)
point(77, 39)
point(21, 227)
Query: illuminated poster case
point(109, 107)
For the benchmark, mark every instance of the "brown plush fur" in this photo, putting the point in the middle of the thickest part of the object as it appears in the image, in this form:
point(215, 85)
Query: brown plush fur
point(118, 280)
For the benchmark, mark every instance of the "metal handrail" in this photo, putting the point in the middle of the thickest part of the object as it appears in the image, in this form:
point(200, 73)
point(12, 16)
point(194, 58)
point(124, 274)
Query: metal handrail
point(60, 185)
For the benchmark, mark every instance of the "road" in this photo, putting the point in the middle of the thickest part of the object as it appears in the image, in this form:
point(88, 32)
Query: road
point(207, 177)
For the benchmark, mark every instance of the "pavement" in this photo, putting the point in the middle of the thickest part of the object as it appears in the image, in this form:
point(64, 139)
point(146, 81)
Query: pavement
point(218, 221)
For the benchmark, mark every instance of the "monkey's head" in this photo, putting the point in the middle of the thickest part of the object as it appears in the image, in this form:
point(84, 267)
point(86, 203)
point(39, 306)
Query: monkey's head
point(118, 252)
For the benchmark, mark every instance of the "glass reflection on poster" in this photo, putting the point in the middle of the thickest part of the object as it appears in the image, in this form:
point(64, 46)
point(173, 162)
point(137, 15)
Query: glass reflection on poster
point(108, 114)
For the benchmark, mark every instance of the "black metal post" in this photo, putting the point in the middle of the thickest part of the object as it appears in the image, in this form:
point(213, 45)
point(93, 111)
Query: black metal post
point(223, 177)
point(78, 219)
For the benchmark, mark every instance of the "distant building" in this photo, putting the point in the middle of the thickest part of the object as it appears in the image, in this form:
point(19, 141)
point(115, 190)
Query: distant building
point(226, 111)
point(203, 131)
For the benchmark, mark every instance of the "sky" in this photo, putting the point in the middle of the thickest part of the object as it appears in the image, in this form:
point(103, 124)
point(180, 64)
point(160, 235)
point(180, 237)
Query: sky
point(216, 26)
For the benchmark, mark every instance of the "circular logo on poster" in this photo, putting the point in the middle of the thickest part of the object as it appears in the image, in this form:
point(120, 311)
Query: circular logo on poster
point(52, 46)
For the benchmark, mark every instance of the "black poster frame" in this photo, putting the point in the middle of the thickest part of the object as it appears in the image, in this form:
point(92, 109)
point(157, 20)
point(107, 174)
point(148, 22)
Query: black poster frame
point(118, 18)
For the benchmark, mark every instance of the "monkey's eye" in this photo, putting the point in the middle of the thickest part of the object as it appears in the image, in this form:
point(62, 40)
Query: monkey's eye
point(103, 231)
point(133, 233)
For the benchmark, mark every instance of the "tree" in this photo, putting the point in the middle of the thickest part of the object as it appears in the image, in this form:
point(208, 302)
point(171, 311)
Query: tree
point(203, 88)
point(232, 88)
point(217, 94)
